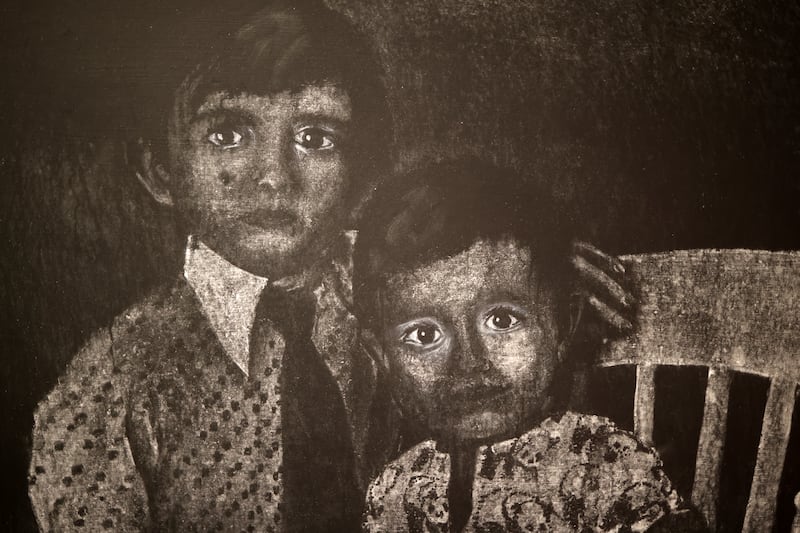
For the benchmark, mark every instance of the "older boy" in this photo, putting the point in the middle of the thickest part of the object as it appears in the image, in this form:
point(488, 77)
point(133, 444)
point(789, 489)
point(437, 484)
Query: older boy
point(234, 399)
point(463, 274)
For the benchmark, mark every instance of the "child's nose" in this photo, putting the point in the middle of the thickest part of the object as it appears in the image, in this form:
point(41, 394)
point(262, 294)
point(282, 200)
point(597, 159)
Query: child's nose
point(470, 353)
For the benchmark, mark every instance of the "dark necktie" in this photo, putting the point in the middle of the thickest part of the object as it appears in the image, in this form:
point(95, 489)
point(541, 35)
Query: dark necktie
point(282, 324)
point(317, 488)
point(273, 338)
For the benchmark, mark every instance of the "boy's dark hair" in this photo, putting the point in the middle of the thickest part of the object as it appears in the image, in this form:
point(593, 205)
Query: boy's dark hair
point(285, 46)
point(441, 210)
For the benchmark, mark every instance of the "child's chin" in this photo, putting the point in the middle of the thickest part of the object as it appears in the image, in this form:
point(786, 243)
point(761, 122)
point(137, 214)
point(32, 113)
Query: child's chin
point(485, 426)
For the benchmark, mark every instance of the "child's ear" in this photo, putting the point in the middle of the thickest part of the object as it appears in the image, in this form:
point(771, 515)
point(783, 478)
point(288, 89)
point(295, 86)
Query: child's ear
point(149, 171)
point(375, 350)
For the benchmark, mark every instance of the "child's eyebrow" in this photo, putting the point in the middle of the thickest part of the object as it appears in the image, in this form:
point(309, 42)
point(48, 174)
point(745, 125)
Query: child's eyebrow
point(517, 298)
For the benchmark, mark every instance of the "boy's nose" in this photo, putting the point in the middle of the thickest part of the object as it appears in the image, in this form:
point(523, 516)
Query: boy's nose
point(272, 170)
point(273, 179)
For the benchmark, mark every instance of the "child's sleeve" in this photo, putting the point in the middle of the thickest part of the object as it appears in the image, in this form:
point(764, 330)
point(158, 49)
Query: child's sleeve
point(574, 472)
point(82, 472)
point(410, 494)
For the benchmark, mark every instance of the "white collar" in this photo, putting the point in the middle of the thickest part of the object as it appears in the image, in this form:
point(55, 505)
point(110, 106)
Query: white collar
point(228, 297)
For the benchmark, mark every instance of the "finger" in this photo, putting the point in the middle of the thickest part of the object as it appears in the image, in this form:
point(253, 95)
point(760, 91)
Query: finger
point(609, 316)
point(597, 279)
point(595, 255)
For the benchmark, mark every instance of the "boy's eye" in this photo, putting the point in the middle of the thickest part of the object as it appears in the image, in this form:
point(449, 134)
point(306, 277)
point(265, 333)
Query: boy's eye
point(313, 138)
point(422, 335)
point(502, 319)
point(226, 138)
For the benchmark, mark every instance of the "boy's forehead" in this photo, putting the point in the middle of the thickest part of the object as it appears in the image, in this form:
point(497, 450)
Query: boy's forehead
point(327, 99)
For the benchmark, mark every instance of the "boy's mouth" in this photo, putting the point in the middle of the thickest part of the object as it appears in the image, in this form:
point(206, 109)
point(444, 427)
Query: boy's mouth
point(270, 218)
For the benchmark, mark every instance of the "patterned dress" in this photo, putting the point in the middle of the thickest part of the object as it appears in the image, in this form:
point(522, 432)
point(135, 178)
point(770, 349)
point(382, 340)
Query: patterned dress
point(573, 472)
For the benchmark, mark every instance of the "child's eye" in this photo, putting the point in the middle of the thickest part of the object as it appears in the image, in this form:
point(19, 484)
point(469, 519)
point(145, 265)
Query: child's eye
point(502, 319)
point(422, 335)
point(313, 138)
point(226, 138)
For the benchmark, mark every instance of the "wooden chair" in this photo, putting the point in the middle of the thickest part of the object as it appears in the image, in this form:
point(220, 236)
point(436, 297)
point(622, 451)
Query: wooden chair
point(730, 311)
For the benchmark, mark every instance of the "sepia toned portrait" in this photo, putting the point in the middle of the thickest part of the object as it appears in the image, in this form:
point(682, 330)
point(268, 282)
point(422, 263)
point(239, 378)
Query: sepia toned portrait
point(337, 265)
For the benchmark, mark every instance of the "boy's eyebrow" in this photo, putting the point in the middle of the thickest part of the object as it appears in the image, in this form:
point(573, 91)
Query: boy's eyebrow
point(328, 101)
point(240, 115)
point(212, 102)
point(324, 102)
point(325, 119)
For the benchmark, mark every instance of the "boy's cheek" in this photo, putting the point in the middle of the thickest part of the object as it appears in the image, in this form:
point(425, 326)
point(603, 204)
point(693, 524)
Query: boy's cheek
point(324, 182)
point(321, 210)
point(219, 170)
point(319, 167)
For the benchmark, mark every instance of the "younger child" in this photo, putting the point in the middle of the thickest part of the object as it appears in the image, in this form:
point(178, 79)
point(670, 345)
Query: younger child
point(463, 275)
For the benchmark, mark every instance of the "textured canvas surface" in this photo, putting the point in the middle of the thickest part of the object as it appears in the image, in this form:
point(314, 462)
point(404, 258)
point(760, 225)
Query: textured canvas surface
point(656, 127)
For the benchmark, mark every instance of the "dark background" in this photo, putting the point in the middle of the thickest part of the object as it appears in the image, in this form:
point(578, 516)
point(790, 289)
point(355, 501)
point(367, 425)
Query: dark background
point(663, 125)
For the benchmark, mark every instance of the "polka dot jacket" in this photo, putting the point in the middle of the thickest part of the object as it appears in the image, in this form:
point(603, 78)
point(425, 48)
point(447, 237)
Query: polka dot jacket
point(153, 427)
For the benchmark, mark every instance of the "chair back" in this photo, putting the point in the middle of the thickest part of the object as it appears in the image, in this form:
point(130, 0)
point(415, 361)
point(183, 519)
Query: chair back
point(729, 311)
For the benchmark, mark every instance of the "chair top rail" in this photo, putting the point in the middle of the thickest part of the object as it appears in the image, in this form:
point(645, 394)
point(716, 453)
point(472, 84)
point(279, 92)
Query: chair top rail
point(738, 309)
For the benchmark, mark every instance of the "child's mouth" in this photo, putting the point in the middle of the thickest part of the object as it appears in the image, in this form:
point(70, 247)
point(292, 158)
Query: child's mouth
point(479, 398)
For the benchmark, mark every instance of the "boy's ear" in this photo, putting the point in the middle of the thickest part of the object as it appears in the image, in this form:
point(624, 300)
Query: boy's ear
point(149, 171)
